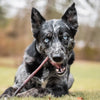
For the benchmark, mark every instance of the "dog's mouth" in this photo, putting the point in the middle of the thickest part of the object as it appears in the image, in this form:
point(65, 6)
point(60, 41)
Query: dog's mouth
point(60, 71)
point(60, 68)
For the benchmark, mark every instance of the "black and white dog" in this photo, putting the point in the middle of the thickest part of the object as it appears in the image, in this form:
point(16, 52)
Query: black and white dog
point(55, 39)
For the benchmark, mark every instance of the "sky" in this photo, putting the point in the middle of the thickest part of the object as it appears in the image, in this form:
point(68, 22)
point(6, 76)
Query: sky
point(86, 14)
point(13, 6)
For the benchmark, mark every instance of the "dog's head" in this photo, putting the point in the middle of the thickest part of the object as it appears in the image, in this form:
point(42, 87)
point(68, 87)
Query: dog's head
point(55, 38)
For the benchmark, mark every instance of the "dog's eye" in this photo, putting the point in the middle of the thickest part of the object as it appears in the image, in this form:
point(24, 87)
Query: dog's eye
point(65, 37)
point(46, 40)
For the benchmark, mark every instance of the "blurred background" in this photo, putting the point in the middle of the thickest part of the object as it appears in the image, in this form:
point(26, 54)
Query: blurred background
point(15, 25)
point(16, 35)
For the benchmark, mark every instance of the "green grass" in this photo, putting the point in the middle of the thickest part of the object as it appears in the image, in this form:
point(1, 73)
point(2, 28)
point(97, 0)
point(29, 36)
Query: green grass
point(86, 85)
point(6, 77)
point(87, 75)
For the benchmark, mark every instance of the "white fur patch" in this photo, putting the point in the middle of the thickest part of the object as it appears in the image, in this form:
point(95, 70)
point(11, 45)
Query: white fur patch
point(28, 58)
point(55, 27)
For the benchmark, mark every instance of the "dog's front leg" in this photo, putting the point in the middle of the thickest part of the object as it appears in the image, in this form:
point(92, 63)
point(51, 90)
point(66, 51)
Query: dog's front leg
point(8, 92)
point(35, 92)
point(57, 89)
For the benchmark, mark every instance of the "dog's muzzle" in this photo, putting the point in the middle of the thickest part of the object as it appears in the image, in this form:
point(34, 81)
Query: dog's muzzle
point(59, 68)
point(59, 62)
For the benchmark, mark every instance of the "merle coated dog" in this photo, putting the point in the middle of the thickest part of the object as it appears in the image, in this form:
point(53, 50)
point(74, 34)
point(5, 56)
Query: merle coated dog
point(55, 39)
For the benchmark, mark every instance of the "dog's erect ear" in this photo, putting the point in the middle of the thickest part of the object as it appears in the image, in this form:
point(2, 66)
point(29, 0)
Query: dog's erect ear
point(70, 18)
point(36, 20)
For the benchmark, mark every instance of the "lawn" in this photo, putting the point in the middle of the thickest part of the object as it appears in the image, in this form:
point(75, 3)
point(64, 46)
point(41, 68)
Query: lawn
point(86, 85)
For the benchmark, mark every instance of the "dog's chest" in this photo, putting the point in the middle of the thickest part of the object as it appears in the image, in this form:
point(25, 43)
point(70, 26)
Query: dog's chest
point(47, 75)
point(44, 78)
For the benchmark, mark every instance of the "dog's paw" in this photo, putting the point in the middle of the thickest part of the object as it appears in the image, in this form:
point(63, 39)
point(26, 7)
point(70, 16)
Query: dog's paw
point(43, 92)
point(30, 92)
point(5, 96)
point(8, 92)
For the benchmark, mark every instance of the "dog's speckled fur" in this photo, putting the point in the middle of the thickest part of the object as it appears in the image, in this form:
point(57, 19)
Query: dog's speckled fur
point(55, 39)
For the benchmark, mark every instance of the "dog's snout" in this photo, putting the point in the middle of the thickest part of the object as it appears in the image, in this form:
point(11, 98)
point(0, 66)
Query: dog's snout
point(57, 58)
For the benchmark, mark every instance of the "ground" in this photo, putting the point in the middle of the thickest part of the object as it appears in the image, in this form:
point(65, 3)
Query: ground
point(86, 85)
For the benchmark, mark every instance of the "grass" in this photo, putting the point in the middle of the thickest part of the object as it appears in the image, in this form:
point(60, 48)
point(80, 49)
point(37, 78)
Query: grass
point(87, 75)
point(86, 85)
point(6, 77)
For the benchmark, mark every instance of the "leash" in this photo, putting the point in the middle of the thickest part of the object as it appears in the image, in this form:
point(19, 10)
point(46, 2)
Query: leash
point(27, 80)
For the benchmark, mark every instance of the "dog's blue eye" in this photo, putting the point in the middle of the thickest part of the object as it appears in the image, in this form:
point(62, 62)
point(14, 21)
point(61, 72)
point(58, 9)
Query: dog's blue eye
point(46, 40)
point(65, 37)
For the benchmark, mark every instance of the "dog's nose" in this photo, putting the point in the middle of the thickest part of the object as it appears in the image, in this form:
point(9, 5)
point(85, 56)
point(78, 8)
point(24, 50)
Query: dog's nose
point(57, 58)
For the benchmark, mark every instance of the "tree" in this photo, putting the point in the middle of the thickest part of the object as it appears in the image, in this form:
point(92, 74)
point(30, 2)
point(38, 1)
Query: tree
point(51, 11)
point(2, 17)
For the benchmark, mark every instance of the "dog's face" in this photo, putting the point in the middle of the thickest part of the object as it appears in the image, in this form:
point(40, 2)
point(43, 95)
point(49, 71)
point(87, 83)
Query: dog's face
point(55, 38)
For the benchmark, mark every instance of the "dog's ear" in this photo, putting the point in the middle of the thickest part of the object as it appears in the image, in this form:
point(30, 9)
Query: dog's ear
point(36, 20)
point(70, 18)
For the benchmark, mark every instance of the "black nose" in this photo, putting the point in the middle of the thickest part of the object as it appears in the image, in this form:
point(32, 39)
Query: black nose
point(57, 58)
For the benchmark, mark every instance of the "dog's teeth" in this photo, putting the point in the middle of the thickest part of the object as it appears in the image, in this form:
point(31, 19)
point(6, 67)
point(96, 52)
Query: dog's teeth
point(61, 70)
point(57, 70)
point(64, 69)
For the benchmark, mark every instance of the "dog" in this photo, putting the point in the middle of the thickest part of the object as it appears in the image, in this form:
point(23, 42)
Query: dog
point(55, 39)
